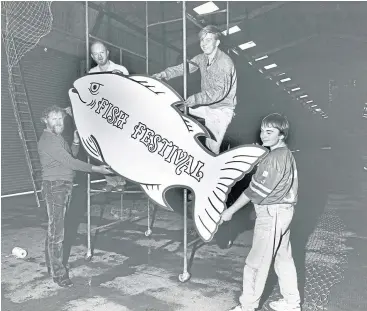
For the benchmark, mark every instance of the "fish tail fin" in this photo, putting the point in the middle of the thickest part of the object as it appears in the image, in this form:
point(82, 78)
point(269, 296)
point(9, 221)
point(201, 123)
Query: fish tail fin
point(232, 166)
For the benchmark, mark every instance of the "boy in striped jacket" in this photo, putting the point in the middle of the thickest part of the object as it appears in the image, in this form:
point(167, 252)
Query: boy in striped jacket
point(273, 190)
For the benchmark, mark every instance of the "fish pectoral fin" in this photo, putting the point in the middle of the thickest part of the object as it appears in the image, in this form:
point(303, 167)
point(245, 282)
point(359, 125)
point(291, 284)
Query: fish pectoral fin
point(92, 146)
point(195, 128)
point(155, 192)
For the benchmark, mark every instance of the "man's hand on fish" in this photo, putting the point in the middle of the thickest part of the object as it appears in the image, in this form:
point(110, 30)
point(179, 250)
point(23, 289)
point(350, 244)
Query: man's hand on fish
point(117, 71)
point(69, 111)
point(160, 75)
point(226, 216)
point(102, 169)
point(76, 140)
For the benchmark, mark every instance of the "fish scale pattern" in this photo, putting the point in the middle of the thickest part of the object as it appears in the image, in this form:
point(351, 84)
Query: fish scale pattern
point(326, 258)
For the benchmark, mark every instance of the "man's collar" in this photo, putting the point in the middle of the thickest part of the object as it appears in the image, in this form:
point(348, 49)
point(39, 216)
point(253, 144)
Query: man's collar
point(215, 56)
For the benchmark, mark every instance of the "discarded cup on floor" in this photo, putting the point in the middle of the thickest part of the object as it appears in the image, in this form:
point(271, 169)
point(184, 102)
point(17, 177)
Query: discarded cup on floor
point(19, 252)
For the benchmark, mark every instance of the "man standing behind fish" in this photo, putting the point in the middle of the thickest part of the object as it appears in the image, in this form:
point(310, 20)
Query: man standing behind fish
point(217, 100)
point(100, 55)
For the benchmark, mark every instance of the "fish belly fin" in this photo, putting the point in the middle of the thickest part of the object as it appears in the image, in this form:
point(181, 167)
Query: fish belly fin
point(156, 193)
point(232, 166)
point(195, 128)
point(91, 145)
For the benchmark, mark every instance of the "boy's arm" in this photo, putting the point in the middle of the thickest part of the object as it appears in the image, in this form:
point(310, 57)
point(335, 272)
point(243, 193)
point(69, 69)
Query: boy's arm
point(240, 202)
point(176, 71)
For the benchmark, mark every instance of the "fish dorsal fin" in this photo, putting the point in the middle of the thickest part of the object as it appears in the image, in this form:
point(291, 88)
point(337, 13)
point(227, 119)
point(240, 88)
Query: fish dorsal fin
point(91, 145)
point(195, 128)
point(166, 94)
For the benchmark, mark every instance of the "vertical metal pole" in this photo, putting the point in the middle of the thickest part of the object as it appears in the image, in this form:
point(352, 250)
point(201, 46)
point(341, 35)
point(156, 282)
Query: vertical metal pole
point(185, 275)
point(120, 57)
point(227, 25)
point(146, 39)
point(89, 249)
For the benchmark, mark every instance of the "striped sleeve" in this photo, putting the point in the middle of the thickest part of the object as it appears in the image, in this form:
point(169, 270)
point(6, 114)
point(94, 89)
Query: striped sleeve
point(264, 181)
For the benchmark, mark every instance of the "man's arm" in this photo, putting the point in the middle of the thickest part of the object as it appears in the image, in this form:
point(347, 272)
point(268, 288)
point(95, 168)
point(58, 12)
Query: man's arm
point(222, 83)
point(176, 71)
point(75, 149)
point(121, 69)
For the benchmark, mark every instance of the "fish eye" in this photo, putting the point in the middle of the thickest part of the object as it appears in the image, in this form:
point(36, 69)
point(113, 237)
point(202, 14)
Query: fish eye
point(94, 88)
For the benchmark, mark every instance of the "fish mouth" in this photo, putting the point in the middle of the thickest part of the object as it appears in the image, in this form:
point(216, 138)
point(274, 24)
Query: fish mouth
point(74, 90)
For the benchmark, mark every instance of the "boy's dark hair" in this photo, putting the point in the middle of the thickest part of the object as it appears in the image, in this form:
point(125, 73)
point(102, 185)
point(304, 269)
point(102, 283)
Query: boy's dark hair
point(277, 121)
point(53, 108)
point(210, 29)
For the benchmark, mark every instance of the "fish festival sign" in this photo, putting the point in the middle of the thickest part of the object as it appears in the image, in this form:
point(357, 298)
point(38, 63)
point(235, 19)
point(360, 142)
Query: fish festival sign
point(132, 123)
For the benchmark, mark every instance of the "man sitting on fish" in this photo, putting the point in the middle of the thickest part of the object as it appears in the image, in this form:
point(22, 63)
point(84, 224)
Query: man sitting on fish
point(217, 100)
point(100, 55)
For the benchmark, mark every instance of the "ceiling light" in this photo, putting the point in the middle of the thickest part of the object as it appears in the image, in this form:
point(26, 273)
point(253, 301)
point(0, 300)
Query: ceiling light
point(318, 109)
point(270, 66)
point(261, 71)
point(261, 58)
point(310, 101)
point(250, 63)
point(205, 8)
point(285, 80)
point(231, 30)
point(247, 45)
point(234, 51)
point(303, 96)
point(314, 106)
point(281, 74)
point(295, 89)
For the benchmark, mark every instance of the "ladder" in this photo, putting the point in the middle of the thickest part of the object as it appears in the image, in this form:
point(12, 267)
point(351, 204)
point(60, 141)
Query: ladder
point(23, 116)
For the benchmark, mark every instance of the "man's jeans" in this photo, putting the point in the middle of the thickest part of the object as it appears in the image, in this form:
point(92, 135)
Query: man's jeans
point(271, 239)
point(57, 195)
point(217, 121)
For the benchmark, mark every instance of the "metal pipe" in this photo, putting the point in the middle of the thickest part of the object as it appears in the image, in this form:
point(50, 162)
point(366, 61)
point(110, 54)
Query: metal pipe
point(120, 56)
point(227, 27)
point(89, 246)
point(116, 46)
point(185, 111)
point(146, 40)
point(165, 22)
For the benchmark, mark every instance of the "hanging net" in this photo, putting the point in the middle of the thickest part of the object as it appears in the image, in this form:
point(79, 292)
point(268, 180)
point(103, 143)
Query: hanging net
point(26, 23)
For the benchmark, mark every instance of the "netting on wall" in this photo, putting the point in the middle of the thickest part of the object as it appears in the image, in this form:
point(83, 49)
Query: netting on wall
point(26, 23)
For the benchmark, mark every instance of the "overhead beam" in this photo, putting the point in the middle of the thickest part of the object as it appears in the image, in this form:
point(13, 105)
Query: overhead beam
point(99, 19)
point(120, 19)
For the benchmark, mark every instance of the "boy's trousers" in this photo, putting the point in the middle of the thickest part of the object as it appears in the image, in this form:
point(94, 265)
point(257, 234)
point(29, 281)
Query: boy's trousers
point(271, 239)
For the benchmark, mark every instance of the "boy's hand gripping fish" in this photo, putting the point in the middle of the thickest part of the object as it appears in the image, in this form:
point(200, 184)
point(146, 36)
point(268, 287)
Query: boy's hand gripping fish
point(133, 125)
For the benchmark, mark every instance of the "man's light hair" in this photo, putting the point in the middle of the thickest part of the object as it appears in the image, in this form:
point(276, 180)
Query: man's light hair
point(49, 110)
point(210, 29)
point(98, 42)
point(277, 121)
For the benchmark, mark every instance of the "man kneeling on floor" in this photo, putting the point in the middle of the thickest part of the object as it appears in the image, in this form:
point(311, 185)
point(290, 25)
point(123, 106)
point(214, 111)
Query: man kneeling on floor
point(58, 166)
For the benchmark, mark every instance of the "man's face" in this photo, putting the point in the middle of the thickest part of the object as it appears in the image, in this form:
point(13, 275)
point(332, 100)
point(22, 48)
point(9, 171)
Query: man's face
point(270, 136)
point(208, 43)
point(55, 122)
point(99, 54)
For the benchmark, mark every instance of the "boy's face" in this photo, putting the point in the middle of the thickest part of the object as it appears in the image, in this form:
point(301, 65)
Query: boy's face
point(270, 136)
point(208, 43)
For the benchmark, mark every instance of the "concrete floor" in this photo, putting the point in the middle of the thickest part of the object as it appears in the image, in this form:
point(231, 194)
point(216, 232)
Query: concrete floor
point(130, 271)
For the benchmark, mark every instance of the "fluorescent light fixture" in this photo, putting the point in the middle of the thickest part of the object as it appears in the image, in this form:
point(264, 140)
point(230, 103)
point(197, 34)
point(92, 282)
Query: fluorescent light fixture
point(270, 66)
point(247, 45)
point(318, 109)
point(261, 71)
point(261, 58)
point(250, 63)
point(205, 8)
point(326, 117)
point(310, 101)
point(285, 80)
point(295, 89)
point(231, 30)
point(281, 74)
point(303, 96)
point(314, 106)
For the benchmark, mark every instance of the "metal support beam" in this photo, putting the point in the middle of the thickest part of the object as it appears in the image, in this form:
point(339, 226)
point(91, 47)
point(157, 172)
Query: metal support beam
point(99, 19)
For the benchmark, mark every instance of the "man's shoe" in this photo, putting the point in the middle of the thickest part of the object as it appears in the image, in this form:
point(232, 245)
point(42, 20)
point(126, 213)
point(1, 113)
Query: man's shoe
point(63, 281)
point(282, 305)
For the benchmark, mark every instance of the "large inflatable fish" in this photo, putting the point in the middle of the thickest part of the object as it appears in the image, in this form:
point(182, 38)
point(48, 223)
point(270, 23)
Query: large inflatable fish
point(132, 124)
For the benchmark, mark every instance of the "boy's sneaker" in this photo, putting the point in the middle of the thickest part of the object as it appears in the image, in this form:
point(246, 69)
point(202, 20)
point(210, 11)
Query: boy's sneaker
point(282, 305)
point(240, 308)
